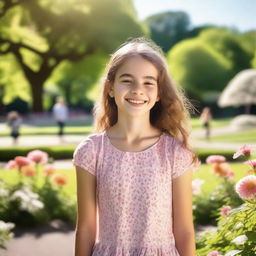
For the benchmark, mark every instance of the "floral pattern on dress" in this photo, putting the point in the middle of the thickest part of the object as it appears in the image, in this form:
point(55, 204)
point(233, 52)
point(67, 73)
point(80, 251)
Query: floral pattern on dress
point(134, 192)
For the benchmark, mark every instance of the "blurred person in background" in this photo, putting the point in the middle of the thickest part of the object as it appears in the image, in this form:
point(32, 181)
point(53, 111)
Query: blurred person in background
point(60, 113)
point(206, 117)
point(14, 121)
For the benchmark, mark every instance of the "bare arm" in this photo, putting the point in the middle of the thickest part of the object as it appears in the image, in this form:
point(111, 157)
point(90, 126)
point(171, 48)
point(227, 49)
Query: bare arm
point(86, 213)
point(183, 228)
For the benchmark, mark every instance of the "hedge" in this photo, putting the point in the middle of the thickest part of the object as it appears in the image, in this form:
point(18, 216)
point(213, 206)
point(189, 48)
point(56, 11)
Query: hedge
point(66, 152)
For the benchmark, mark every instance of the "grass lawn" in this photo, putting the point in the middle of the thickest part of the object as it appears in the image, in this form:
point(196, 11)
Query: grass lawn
point(50, 130)
point(11, 177)
point(242, 136)
point(204, 172)
point(211, 180)
point(196, 124)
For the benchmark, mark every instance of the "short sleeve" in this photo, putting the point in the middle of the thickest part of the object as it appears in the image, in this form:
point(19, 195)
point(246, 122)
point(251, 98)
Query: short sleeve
point(85, 156)
point(183, 160)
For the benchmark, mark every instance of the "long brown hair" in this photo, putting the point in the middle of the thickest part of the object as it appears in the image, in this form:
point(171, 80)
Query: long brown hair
point(170, 114)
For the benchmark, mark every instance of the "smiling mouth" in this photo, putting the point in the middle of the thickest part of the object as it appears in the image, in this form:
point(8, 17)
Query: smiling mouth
point(138, 102)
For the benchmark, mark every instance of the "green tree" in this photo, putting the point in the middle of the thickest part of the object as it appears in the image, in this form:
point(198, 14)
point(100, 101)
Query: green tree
point(228, 43)
point(168, 28)
point(198, 68)
point(41, 34)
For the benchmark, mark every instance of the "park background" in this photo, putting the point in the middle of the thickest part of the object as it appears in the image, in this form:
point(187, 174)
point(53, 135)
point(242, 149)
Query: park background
point(52, 48)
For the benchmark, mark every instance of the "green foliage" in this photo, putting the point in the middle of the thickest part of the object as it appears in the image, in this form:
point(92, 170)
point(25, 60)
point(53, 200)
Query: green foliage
point(28, 202)
point(204, 153)
point(42, 34)
point(198, 68)
point(239, 221)
point(12, 80)
point(168, 28)
point(5, 233)
point(75, 80)
point(254, 61)
point(56, 152)
point(229, 44)
point(236, 233)
point(57, 203)
point(223, 194)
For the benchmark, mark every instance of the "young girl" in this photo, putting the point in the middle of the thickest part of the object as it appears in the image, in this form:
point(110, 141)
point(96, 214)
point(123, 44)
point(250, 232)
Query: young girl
point(134, 172)
point(14, 121)
point(206, 118)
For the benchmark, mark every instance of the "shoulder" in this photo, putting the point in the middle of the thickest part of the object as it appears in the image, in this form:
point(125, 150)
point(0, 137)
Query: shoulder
point(89, 143)
point(176, 149)
point(86, 153)
point(172, 143)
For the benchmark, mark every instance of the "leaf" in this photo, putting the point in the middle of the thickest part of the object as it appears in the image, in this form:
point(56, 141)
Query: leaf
point(251, 235)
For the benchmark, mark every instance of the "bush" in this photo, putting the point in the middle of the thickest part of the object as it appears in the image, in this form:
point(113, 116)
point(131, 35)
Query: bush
point(236, 234)
point(28, 204)
point(56, 152)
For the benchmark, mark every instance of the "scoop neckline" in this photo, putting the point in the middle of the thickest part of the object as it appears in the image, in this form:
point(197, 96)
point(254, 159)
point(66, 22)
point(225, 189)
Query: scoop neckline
point(134, 152)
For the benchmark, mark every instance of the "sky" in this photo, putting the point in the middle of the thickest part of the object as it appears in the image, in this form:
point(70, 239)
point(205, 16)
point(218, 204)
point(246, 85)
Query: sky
point(240, 14)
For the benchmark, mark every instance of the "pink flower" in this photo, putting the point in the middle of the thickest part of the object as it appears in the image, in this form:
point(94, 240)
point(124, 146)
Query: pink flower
point(223, 170)
point(225, 210)
point(245, 150)
point(215, 159)
point(230, 174)
point(22, 161)
point(38, 156)
point(214, 253)
point(246, 187)
point(252, 163)
point(11, 165)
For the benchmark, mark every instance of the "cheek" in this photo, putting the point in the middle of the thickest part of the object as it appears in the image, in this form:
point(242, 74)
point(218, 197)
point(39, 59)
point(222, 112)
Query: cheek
point(119, 90)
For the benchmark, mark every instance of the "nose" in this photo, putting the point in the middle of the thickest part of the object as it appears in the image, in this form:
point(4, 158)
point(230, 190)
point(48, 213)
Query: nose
point(137, 89)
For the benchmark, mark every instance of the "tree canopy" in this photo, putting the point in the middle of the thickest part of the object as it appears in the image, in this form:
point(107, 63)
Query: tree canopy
point(205, 64)
point(198, 68)
point(37, 35)
point(168, 28)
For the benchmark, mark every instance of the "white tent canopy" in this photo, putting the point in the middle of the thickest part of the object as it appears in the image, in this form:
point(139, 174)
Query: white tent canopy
point(240, 91)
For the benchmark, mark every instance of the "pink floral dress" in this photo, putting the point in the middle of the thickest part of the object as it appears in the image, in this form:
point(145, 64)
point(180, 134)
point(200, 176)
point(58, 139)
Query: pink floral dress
point(134, 193)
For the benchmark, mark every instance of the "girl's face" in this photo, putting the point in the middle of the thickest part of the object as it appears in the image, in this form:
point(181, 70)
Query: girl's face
point(135, 88)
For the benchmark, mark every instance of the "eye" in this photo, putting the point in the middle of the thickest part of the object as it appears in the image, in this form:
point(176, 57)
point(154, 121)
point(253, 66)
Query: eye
point(149, 83)
point(126, 81)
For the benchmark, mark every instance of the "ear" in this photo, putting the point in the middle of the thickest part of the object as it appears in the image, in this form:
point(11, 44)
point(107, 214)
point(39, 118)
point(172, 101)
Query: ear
point(157, 98)
point(109, 85)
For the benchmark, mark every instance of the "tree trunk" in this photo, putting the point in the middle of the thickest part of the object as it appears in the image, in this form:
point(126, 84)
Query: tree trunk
point(37, 96)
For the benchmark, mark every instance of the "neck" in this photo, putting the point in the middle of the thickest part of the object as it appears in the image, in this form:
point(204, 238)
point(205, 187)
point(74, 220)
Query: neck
point(133, 128)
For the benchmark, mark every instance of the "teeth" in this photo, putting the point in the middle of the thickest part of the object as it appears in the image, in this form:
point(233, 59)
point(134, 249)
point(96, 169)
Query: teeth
point(136, 101)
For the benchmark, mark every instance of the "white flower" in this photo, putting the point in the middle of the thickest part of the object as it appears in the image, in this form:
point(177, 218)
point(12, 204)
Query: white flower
point(28, 200)
point(238, 225)
point(232, 253)
point(37, 204)
point(196, 186)
point(19, 194)
point(4, 192)
point(240, 240)
point(6, 226)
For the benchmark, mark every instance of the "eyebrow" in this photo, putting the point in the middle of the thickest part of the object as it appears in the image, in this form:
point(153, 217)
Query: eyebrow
point(130, 75)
